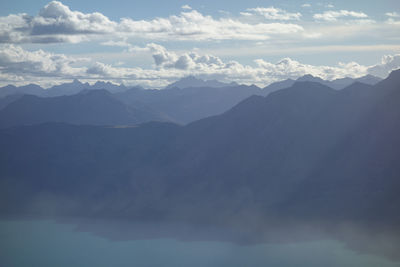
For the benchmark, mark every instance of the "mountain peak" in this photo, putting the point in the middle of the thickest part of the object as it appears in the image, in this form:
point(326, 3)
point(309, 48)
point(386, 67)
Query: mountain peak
point(9, 86)
point(102, 83)
point(76, 81)
point(309, 78)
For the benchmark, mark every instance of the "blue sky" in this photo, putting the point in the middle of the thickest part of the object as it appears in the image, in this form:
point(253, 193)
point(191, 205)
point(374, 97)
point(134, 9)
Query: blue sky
point(153, 8)
point(152, 43)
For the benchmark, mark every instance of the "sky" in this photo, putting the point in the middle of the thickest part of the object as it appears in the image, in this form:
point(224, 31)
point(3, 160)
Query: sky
point(153, 43)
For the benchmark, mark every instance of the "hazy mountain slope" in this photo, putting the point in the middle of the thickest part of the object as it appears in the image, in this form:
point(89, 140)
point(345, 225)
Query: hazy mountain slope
point(277, 86)
point(337, 84)
point(71, 88)
point(94, 107)
point(363, 165)
point(60, 169)
point(189, 104)
point(31, 89)
point(5, 101)
point(76, 86)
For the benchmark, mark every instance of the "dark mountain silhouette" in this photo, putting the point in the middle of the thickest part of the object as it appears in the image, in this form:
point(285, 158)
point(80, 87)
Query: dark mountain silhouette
point(93, 107)
point(306, 155)
point(191, 81)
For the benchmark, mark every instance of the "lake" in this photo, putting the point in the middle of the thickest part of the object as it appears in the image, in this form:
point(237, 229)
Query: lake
point(50, 243)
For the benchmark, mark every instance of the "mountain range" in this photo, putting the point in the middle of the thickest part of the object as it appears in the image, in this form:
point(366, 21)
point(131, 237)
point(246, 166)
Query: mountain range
point(337, 84)
point(187, 82)
point(307, 155)
point(184, 101)
point(189, 104)
point(60, 90)
point(93, 107)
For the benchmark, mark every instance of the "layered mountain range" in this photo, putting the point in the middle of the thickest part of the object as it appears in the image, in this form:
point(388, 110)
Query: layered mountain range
point(184, 101)
point(304, 156)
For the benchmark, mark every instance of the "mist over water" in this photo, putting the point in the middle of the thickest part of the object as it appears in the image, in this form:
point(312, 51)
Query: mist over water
point(115, 243)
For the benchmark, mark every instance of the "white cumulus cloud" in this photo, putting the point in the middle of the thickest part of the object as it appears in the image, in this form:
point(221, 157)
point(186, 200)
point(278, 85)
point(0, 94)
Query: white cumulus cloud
point(56, 22)
point(17, 61)
point(272, 13)
point(186, 7)
point(192, 24)
point(334, 15)
point(392, 14)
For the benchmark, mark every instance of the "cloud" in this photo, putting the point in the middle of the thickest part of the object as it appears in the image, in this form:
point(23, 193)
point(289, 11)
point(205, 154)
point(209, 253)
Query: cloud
point(56, 18)
point(194, 25)
point(334, 15)
point(387, 64)
point(186, 7)
point(121, 43)
point(306, 5)
point(185, 61)
point(289, 68)
point(21, 66)
point(102, 70)
point(271, 13)
point(392, 14)
point(56, 22)
point(17, 61)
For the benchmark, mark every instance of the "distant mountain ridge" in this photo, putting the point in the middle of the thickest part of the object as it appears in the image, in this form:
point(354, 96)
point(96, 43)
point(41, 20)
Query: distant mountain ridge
point(190, 81)
point(189, 104)
point(60, 90)
point(184, 101)
point(92, 107)
point(31, 89)
point(336, 84)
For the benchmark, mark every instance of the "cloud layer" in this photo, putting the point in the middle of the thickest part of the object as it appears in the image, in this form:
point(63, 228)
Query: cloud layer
point(21, 66)
point(251, 31)
point(57, 23)
point(272, 13)
point(54, 23)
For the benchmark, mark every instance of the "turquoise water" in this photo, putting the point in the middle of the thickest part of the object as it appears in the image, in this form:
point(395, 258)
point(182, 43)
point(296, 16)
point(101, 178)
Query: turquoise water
point(46, 243)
